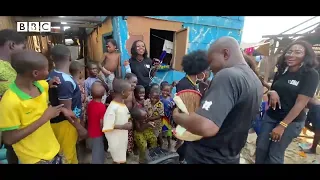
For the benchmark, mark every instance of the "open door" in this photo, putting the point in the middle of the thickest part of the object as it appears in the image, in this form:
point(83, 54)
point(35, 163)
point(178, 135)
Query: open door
point(180, 48)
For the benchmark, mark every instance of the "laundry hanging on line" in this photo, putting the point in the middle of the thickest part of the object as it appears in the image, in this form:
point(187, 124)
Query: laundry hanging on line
point(168, 46)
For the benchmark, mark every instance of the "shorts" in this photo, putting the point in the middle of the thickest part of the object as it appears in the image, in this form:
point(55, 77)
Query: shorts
point(67, 137)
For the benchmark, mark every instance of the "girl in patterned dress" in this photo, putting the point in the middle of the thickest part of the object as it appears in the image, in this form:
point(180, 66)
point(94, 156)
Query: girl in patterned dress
point(155, 111)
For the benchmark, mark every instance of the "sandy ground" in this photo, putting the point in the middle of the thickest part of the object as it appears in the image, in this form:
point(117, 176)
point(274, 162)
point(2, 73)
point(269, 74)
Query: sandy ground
point(292, 155)
point(132, 159)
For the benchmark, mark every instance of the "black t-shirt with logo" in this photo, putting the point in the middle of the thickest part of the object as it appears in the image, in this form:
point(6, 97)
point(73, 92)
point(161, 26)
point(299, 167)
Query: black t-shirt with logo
point(232, 102)
point(141, 70)
point(288, 86)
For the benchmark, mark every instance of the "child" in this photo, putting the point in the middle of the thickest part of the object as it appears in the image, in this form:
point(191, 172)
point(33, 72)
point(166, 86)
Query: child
point(116, 122)
point(94, 76)
point(139, 94)
point(77, 72)
point(132, 79)
point(155, 112)
point(25, 113)
point(68, 93)
point(143, 133)
point(168, 105)
point(314, 118)
point(130, 101)
point(96, 110)
point(111, 62)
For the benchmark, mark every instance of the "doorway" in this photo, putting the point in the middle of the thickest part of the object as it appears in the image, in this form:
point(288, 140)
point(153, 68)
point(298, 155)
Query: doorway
point(157, 39)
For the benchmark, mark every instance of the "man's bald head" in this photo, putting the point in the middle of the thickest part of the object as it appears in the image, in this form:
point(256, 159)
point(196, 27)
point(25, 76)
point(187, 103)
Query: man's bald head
point(224, 52)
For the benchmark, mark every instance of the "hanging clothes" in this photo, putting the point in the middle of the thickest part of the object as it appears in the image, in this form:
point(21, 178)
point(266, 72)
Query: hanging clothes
point(168, 46)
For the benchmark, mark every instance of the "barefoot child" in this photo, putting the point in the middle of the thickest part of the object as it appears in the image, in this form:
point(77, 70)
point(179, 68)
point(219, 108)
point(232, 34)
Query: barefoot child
point(96, 110)
point(155, 112)
point(116, 122)
point(68, 93)
point(168, 105)
point(143, 133)
point(25, 114)
point(139, 94)
point(111, 62)
point(130, 101)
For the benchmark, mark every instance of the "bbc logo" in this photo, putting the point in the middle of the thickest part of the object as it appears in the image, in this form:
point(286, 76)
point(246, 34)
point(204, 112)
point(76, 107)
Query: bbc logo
point(33, 26)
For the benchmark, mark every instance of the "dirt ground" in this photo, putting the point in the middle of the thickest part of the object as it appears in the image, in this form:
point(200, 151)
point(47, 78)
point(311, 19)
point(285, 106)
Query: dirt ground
point(132, 159)
point(293, 153)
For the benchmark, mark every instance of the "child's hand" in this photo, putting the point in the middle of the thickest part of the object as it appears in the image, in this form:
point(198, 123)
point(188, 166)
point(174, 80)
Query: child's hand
point(52, 112)
point(54, 82)
point(127, 126)
point(151, 124)
point(126, 63)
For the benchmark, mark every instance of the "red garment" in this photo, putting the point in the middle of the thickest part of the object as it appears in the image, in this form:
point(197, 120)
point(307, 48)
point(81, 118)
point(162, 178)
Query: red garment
point(95, 112)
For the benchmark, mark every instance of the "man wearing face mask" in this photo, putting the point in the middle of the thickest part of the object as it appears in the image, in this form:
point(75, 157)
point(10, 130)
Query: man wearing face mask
point(227, 108)
point(194, 64)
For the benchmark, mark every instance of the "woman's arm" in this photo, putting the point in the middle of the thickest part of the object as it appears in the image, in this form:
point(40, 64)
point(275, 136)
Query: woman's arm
point(308, 87)
point(300, 104)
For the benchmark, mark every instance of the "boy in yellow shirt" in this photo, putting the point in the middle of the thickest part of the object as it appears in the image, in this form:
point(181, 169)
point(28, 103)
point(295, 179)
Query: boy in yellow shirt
point(10, 41)
point(25, 114)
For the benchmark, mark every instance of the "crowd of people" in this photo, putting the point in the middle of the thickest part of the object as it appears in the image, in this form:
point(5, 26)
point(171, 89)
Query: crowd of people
point(48, 115)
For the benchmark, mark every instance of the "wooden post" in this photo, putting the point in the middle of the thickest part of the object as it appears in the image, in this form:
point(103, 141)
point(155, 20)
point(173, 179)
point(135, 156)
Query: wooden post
point(270, 60)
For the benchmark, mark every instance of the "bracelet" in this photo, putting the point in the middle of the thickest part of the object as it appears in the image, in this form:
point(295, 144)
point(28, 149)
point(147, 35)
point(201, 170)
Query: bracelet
point(283, 124)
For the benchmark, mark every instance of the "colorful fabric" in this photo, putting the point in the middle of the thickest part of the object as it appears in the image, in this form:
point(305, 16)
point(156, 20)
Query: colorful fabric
point(168, 105)
point(153, 111)
point(58, 159)
point(143, 140)
point(7, 76)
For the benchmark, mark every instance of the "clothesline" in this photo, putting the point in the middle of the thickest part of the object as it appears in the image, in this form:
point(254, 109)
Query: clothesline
point(158, 37)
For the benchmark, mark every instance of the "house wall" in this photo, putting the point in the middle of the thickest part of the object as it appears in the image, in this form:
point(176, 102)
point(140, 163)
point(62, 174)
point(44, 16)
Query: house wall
point(95, 40)
point(203, 30)
point(7, 22)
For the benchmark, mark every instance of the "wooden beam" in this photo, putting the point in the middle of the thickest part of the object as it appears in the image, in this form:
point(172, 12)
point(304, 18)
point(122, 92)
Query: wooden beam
point(81, 19)
point(282, 35)
point(81, 25)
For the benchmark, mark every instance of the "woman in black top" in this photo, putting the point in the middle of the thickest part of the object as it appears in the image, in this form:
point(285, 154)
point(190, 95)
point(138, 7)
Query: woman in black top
point(194, 65)
point(141, 65)
point(294, 85)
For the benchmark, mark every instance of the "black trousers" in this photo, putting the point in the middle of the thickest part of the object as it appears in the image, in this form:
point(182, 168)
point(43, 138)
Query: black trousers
point(182, 151)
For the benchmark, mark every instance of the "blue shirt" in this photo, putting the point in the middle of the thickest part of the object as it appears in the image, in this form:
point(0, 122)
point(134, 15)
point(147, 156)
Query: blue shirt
point(67, 89)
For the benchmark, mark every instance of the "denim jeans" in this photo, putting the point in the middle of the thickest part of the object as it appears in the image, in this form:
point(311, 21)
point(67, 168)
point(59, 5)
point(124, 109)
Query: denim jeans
point(269, 152)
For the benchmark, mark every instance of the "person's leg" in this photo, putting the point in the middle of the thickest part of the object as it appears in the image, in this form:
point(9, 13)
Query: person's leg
point(142, 145)
point(263, 140)
point(277, 149)
point(67, 136)
point(151, 138)
point(11, 155)
point(130, 142)
point(314, 119)
point(98, 154)
point(182, 151)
